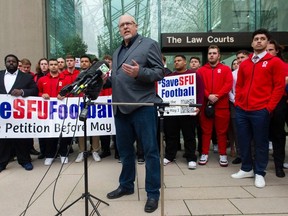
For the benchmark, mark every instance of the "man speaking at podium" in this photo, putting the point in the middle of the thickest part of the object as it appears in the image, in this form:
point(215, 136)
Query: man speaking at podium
point(137, 65)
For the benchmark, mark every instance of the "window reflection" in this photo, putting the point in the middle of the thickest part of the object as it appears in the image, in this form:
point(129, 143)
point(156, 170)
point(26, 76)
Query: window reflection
point(94, 23)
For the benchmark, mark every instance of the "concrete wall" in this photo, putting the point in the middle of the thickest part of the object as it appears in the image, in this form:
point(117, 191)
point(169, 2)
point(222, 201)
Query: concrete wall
point(22, 30)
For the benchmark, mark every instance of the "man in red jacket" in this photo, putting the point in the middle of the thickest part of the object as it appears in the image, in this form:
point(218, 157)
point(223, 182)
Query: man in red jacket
point(218, 80)
point(49, 86)
point(70, 75)
point(260, 86)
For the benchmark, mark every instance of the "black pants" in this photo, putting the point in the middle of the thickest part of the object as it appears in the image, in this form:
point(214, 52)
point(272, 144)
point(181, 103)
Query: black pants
point(51, 147)
point(105, 143)
point(65, 144)
point(172, 127)
point(19, 146)
point(42, 145)
point(30, 142)
point(277, 132)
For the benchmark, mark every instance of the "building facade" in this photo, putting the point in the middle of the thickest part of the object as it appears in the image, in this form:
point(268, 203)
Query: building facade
point(52, 28)
point(23, 30)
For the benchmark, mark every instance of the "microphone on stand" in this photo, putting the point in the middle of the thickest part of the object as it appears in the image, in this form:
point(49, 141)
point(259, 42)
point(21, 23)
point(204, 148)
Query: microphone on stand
point(66, 89)
point(89, 81)
point(69, 88)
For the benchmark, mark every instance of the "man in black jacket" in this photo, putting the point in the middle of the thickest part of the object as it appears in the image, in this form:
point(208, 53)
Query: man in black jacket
point(16, 83)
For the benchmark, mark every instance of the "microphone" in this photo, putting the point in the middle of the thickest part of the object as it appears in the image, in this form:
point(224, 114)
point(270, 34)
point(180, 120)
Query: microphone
point(91, 80)
point(81, 83)
point(65, 90)
point(68, 88)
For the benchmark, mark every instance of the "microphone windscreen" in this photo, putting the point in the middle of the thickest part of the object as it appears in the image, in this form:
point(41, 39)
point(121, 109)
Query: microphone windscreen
point(97, 67)
point(65, 90)
point(93, 90)
point(92, 77)
point(100, 67)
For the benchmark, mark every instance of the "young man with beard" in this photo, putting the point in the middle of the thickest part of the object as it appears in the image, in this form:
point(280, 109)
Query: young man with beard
point(173, 125)
point(217, 79)
point(85, 63)
point(15, 83)
point(49, 86)
point(260, 86)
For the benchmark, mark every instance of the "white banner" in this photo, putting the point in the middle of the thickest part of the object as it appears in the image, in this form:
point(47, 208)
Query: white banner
point(34, 117)
point(178, 89)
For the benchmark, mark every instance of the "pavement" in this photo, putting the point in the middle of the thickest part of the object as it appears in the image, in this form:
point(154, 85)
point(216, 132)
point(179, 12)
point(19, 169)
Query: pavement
point(208, 190)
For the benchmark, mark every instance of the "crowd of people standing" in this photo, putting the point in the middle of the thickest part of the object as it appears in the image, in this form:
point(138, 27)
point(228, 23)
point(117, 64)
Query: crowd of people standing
point(248, 103)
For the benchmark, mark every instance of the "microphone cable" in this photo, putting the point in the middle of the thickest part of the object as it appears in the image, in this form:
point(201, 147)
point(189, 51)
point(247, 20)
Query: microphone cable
point(30, 202)
point(66, 156)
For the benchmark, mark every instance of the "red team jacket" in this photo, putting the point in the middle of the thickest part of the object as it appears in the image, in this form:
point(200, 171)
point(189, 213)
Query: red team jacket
point(217, 80)
point(70, 78)
point(50, 85)
point(260, 85)
point(106, 91)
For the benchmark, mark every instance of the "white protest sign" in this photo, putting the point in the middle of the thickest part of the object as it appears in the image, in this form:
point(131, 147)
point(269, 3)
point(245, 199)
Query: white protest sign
point(178, 89)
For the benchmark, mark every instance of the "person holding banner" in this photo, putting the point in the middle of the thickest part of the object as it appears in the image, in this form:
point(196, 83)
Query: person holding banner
point(218, 81)
point(42, 69)
point(49, 86)
point(70, 74)
point(136, 66)
point(85, 63)
point(174, 124)
point(26, 68)
point(17, 84)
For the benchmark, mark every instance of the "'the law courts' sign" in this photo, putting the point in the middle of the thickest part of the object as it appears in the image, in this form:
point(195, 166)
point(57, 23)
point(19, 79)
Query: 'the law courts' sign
point(235, 39)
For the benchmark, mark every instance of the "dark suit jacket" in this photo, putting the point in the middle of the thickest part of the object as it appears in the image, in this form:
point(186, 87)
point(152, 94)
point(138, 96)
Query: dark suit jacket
point(147, 54)
point(23, 81)
point(26, 83)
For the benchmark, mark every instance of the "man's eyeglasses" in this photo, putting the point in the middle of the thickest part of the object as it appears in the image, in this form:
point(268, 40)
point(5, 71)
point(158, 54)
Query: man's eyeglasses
point(122, 25)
